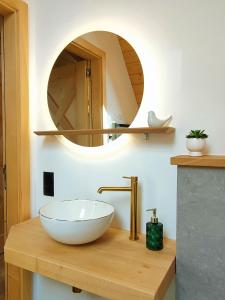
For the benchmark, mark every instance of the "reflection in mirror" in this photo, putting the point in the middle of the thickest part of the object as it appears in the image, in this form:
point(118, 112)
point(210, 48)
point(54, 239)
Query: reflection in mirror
point(95, 83)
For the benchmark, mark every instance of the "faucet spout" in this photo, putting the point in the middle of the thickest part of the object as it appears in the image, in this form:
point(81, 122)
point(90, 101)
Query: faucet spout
point(113, 189)
point(133, 210)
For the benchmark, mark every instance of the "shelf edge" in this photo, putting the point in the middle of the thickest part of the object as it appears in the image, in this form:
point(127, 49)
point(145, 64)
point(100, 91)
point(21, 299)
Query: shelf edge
point(138, 130)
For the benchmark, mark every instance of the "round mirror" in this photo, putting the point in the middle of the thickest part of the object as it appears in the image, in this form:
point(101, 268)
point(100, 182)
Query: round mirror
point(95, 83)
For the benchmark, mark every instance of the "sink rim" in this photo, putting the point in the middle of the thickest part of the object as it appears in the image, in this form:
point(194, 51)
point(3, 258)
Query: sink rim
point(77, 220)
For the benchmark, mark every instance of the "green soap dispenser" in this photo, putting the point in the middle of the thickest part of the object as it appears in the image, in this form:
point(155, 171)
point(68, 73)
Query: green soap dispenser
point(154, 233)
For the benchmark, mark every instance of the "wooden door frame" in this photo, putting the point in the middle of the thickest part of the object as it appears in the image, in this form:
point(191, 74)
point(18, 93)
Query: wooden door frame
point(15, 89)
point(97, 56)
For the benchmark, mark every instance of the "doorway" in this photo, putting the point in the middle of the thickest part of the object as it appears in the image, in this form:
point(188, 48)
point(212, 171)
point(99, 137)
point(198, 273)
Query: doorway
point(16, 134)
point(69, 95)
point(76, 91)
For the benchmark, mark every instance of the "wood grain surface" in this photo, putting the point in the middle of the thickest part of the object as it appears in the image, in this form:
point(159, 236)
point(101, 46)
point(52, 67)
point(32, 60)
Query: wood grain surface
point(113, 266)
point(106, 131)
point(215, 161)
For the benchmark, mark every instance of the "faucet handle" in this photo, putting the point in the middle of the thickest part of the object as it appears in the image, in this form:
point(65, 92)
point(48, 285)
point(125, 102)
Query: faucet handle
point(131, 177)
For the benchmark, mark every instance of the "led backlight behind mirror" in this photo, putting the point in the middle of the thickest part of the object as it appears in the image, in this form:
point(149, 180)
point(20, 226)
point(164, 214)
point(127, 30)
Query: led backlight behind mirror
point(96, 82)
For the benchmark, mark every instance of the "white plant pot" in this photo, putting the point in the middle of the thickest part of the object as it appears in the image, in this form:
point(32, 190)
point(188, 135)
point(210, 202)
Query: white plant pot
point(195, 146)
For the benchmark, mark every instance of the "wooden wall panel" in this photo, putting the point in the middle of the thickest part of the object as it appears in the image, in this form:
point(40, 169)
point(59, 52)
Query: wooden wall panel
point(1, 151)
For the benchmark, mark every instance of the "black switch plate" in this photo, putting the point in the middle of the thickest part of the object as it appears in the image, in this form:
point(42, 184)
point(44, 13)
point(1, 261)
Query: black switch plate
point(48, 183)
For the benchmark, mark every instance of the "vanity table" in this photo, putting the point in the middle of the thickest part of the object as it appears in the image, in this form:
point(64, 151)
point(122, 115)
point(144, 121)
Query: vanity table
point(112, 267)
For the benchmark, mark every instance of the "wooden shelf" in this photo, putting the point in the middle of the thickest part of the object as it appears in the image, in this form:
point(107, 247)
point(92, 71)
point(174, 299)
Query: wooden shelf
point(112, 267)
point(107, 131)
point(215, 161)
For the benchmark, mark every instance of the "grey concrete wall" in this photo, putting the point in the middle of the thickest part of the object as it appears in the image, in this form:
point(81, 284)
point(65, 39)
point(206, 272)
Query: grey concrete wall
point(201, 234)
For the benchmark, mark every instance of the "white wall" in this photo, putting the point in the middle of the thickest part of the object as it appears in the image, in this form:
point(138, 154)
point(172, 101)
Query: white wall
point(181, 46)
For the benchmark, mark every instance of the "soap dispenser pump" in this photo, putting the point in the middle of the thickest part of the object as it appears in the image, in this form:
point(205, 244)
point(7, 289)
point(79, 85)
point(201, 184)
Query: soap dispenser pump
point(154, 233)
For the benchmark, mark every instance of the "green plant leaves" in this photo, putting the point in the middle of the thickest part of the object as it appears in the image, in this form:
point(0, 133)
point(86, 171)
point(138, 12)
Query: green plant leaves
point(197, 134)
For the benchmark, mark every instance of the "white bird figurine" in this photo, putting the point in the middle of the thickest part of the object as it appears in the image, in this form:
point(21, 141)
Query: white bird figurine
point(153, 121)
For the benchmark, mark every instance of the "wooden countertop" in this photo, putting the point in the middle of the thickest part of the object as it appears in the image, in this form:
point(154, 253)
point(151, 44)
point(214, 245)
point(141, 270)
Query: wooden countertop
point(214, 161)
point(113, 266)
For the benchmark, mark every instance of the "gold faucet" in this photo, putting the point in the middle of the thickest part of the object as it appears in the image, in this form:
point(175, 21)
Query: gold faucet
point(133, 209)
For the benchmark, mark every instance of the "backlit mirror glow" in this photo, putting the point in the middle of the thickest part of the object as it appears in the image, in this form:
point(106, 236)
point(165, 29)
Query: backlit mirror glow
point(95, 83)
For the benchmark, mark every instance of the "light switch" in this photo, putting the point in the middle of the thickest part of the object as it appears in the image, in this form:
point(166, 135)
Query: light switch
point(48, 183)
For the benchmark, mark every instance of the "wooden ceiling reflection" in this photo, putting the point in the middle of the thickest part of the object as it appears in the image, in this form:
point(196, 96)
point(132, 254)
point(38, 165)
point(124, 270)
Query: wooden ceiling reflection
point(134, 69)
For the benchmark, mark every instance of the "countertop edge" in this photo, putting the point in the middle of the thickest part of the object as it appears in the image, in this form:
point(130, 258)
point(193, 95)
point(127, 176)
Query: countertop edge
point(213, 161)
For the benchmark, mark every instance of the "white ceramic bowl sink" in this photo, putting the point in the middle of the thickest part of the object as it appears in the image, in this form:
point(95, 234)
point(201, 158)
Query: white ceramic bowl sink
point(76, 221)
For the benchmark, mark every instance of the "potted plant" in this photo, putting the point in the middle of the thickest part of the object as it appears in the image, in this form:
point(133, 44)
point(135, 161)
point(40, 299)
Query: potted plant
point(196, 142)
